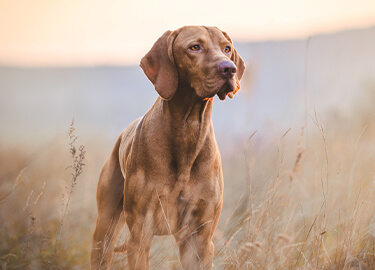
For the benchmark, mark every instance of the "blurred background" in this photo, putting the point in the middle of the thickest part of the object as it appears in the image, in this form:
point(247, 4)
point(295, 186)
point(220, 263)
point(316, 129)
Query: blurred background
point(65, 59)
point(310, 75)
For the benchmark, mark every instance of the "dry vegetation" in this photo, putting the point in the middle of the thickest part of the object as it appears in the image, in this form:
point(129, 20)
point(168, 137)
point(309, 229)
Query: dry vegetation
point(304, 200)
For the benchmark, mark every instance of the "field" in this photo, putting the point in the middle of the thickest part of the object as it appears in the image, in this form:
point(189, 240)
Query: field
point(296, 199)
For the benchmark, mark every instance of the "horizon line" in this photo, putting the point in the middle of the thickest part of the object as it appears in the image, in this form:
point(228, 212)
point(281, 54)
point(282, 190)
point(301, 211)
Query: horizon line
point(108, 61)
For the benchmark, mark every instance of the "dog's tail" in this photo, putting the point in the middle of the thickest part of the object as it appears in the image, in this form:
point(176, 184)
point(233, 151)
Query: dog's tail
point(120, 249)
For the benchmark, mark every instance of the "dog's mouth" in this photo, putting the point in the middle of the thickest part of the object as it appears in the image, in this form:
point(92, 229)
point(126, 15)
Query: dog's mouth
point(223, 95)
point(221, 88)
point(229, 89)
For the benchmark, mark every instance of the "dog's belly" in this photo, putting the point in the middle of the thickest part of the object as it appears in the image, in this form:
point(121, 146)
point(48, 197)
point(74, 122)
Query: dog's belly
point(171, 208)
point(167, 216)
point(185, 208)
point(171, 214)
point(167, 201)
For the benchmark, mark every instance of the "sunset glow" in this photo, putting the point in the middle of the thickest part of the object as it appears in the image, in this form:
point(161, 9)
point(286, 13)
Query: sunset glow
point(82, 32)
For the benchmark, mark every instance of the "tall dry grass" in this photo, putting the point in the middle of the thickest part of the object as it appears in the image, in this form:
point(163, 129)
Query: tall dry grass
point(303, 200)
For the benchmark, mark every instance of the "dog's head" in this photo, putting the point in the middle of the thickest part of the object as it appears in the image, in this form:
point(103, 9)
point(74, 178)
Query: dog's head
point(202, 58)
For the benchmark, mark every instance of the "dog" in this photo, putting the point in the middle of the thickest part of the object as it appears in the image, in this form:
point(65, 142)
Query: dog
point(164, 175)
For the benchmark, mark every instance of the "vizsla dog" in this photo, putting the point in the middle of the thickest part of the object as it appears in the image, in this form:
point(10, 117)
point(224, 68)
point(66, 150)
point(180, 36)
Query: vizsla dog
point(164, 175)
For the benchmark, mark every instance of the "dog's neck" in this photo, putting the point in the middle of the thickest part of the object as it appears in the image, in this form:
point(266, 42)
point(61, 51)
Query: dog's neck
point(189, 119)
point(187, 107)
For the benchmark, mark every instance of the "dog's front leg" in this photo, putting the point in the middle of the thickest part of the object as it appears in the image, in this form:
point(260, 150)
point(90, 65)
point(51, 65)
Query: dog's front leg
point(196, 252)
point(139, 243)
point(195, 239)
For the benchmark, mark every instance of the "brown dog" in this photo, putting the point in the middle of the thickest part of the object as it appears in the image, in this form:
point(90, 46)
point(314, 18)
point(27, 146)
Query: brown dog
point(164, 175)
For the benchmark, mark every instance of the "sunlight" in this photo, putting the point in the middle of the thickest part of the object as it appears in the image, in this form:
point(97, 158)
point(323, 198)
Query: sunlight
point(85, 32)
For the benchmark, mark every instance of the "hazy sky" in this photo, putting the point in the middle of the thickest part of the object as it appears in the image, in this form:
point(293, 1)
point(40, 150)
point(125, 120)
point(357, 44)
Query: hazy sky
point(73, 32)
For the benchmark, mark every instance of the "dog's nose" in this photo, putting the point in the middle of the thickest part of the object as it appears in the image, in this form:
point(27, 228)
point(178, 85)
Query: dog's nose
point(227, 69)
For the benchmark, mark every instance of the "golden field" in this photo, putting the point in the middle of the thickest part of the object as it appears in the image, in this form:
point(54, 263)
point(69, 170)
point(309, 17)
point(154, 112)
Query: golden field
point(301, 199)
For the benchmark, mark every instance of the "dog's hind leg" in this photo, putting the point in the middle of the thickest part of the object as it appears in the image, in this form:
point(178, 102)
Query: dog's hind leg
point(111, 218)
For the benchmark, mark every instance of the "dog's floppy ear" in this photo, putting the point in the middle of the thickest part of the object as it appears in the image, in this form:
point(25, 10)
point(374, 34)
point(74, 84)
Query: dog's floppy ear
point(240, 64)
point(236, 58)
point(159, 67)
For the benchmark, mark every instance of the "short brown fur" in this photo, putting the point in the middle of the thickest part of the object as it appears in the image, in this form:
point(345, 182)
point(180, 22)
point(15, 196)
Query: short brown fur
point(164, 175)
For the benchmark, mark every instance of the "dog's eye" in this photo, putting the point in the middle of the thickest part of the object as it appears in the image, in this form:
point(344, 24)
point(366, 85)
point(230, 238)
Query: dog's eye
point(195, 47)
point(227, 49)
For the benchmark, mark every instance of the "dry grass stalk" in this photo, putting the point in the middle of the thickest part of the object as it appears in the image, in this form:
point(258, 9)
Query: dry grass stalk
point(2, 198)
point(298, 161)
point(77, 169)
point(33, 219)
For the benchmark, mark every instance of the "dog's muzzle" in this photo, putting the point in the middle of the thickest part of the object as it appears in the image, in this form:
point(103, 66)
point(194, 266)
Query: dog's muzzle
point(227, 69)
